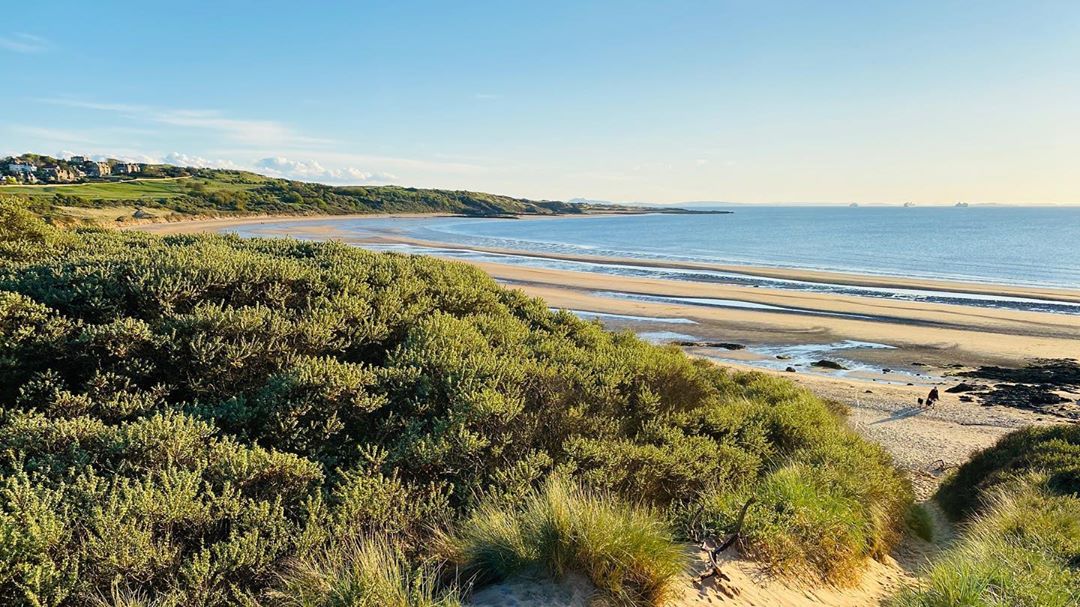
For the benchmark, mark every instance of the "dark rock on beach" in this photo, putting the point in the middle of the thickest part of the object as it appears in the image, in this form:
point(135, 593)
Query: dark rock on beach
point(828, 364)
point(1059, 372)
point(1037, 387)
point(1023, 396)
point(790, 369)
point(962, 387)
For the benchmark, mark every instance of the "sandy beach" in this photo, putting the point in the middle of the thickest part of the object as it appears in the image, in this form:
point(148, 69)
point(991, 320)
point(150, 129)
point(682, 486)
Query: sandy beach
point(919, 344)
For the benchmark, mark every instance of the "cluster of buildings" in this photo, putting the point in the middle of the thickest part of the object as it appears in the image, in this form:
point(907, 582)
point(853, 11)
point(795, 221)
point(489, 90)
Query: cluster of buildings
point(76, 168)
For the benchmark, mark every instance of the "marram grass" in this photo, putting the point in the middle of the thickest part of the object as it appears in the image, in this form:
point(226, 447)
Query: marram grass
point(626, 551)
point(368, 573)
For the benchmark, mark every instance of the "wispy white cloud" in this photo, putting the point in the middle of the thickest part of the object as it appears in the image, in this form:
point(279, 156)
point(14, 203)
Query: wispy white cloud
point(96, 136)
point(264, 132)
point(53, 135)
point(311, 170)
point(444, 165)
point(248, 132)
point(93, 105)
point(24, 43)
point(266, 146)
point(129, 156)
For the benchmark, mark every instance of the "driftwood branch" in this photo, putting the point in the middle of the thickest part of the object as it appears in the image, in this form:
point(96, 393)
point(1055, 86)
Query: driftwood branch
point(940, 466)
point(712, 570)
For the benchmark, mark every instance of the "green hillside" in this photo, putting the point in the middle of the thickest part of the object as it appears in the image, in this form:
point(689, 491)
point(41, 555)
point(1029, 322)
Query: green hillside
point(185, 192)
point(143, 189)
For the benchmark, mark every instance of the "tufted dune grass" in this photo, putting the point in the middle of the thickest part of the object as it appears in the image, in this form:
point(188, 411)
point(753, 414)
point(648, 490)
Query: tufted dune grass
point(627, 551)
point(370, 572)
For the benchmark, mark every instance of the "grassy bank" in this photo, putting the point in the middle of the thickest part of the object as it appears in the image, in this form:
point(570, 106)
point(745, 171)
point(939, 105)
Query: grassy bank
point(1020, 506)
point(206, 420)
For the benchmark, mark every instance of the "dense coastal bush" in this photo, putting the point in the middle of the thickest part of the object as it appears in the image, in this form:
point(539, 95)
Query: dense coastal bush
point(1021, 544)
point(201, 420)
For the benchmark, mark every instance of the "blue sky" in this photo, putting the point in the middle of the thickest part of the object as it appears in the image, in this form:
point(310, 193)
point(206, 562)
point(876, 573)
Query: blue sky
point(770, 101)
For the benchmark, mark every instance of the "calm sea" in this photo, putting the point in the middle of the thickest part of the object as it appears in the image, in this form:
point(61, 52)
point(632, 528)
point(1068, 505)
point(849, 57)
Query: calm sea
point(1009, 245)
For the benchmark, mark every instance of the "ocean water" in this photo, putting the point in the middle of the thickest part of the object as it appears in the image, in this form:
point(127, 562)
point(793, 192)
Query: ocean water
point(1008, 245)
point(988, 245)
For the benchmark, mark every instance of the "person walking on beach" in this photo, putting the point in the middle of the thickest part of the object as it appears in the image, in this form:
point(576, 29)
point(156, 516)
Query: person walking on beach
point(932, 397)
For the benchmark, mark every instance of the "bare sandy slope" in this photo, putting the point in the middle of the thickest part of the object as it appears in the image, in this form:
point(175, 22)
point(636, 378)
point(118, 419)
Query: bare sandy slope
point(926, 442)
point(748, 585)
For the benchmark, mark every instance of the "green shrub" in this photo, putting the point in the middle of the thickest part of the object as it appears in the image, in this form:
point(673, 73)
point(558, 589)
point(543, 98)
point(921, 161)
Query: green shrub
point(17, 223)
point(187, 413)
point(921, 522)
point(828, 509)
point(627, 551)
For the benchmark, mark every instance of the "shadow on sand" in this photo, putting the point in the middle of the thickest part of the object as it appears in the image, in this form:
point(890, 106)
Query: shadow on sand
point(900, 414)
